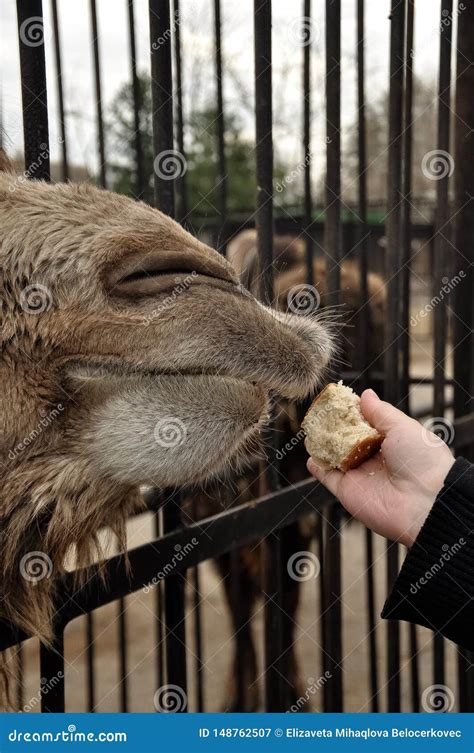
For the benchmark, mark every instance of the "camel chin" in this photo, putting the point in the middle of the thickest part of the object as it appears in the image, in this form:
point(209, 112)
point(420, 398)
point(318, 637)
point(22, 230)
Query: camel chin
point(166, 430)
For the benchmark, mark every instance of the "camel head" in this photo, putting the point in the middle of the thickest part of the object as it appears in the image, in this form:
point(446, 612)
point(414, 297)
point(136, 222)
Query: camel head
point(130, 355)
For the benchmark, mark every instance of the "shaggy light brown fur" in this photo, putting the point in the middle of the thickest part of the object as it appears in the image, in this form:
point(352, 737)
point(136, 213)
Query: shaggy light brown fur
point(130, 354)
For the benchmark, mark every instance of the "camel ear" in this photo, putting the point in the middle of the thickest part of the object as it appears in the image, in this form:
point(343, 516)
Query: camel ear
point(5, 164)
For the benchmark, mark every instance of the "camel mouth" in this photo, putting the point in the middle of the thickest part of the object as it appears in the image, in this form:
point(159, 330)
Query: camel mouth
point(169, 429)
point(107, 368)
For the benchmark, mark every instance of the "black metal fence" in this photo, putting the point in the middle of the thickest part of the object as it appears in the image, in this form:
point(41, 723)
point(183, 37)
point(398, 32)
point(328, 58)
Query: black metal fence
point(280, 507)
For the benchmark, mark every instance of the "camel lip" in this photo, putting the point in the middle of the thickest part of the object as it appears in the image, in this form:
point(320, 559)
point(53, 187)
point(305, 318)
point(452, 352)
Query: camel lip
point(95, 369)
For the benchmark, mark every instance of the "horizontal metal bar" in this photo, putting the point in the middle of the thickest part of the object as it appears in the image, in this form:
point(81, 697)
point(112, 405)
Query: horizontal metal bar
point(158, 560)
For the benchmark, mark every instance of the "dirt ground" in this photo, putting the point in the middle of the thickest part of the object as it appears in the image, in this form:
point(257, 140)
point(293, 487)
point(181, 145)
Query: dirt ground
point(217, 637)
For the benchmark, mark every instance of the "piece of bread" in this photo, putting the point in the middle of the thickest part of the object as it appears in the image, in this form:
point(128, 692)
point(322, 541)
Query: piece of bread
point(337, 434)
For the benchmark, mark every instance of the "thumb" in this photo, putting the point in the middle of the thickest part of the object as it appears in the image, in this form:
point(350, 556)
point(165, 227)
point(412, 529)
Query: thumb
point(381, 415)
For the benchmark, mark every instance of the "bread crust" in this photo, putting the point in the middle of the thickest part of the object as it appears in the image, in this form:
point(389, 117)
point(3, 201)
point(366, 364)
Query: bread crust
point(363, 450)
point(319, 396)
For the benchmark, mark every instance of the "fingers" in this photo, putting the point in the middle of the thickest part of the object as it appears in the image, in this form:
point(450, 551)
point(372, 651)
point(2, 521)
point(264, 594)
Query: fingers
point(382, 416)
point(330, 479)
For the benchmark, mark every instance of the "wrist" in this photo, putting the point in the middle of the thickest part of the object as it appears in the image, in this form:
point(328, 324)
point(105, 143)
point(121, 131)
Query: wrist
point(425, 501)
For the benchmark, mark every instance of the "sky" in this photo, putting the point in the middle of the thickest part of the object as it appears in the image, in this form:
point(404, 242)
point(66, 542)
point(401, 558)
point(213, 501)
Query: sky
point(198, 71)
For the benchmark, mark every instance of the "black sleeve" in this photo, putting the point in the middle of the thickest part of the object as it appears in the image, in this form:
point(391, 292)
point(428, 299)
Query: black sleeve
point(435, 587)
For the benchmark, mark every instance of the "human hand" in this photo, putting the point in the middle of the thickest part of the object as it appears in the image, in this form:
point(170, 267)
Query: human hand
point(393, 492)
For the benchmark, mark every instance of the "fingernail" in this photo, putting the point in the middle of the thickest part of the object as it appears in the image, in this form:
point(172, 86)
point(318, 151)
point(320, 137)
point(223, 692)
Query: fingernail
point(373, 393)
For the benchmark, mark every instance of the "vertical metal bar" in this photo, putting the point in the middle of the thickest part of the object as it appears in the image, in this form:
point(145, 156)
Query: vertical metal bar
point(103, 183)
point(52, 671)
point(393, 264)
point(274, 690)
point(332, 246)
point(322, 600)
point(332, 225)
point(363, 340)
point(160, 654)
point(198, 640)
point(137, 105)
point(236, 589)
point(60, 87)
point(463, 294)
point(406, 208)
point(414, 668)
point(162, 101)
point(174, 604)
point(264, 144)
point(333, 611)
point(308, 202)
point(33, 88)
point(199, 665)
point(221, 183)
point(90, 654)
point(20, 658)
point(98, 94)
point(123, 672)
point(407, 168)
point(371, 621)
point(182, 209)
point(441, 265)
point(394, 195)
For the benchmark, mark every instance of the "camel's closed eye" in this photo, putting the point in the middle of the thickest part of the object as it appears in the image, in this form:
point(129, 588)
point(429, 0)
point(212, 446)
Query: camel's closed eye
point(151, 281)
point(149, 274)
